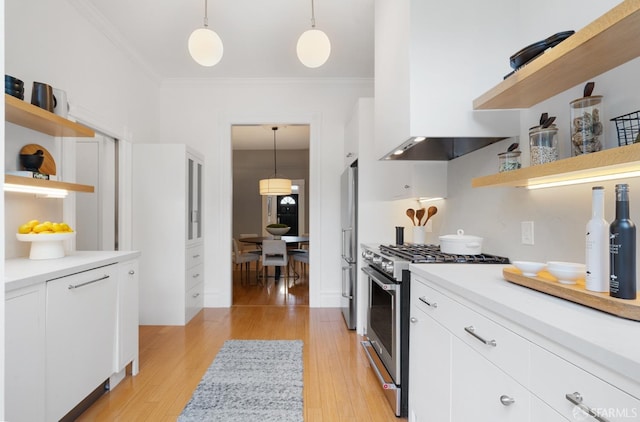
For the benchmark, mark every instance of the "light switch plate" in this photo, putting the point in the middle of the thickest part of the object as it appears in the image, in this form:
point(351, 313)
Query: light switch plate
point(526, 228)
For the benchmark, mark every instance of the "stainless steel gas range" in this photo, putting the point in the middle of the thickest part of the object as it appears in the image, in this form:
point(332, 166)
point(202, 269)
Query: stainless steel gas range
point(387, 344)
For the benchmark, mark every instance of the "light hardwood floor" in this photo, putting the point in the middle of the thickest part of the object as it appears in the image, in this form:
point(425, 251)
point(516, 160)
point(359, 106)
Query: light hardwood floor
point(339, 385)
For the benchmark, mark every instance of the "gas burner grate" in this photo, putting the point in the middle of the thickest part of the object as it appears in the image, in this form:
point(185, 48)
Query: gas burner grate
point(419, 254)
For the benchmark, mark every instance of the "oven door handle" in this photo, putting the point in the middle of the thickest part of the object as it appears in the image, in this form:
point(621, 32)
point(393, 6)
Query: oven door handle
point(385, 285)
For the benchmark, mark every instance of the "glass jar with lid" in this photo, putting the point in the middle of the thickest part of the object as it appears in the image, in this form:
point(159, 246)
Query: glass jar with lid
point(543, 144)
point(509, 160)
point(587, 134)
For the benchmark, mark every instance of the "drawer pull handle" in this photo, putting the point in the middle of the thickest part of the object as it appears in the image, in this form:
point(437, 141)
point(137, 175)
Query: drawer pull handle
point(196, 275)
point(471, 330)
point(413, 320)
point(576, 398)
point(506, 400)
point(426, 302)
point(195, 295)
point(75, 286)
point(132, 272)
point(196, 256)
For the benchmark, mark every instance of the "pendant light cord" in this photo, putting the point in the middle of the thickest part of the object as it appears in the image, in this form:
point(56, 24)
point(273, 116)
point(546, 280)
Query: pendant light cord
point(313, 16)
point(206, 19)
point(275, 163)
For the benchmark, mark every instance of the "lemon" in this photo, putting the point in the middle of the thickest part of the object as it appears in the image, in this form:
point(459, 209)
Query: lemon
point(33, 223)
point(65, 227)
point(40, 228)
point(24, 229)
point(57, 227)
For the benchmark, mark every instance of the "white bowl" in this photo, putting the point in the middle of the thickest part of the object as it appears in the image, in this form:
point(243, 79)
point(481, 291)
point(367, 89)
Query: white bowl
point(277, 231)
point(46, 246)
point(568, 274)
point(529, 268)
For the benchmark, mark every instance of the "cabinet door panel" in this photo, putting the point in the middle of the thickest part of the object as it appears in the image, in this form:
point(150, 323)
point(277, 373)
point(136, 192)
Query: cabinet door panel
point(24, 354)
point(480, 388)
point(552, 378)
point(430, 361)
point(80, 336)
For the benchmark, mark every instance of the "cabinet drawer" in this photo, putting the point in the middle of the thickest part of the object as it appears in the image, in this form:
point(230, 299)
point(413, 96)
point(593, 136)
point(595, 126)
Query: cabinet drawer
point(194, 276)
point(194, 256)
point(553, 378)
point(194, 301)
point(503, 347)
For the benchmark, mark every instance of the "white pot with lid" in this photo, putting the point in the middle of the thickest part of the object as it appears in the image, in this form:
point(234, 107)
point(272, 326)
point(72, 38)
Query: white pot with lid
point(461, 244)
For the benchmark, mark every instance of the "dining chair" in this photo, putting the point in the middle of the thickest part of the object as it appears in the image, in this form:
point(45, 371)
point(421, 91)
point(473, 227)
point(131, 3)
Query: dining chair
point(246, 247)
point(274, 254)
point(301, 256)
point(240, 258)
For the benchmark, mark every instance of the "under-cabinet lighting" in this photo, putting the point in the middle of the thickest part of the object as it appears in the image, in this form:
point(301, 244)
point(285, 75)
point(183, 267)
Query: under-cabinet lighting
point(37, 190)
point(591, 179)
point(429, 199)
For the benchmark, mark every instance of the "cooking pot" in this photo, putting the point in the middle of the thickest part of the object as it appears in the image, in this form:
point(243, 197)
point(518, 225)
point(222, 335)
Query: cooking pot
point(461, 244)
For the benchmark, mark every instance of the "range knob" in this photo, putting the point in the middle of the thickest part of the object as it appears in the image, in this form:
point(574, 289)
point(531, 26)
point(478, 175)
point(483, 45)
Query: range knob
point(377, 260)
point(388, 266)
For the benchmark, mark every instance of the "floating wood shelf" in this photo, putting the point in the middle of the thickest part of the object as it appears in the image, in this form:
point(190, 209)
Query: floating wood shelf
point(545, 283)
point(27, 115)
point(602, 163)
point(52, 184)
point(604, 44)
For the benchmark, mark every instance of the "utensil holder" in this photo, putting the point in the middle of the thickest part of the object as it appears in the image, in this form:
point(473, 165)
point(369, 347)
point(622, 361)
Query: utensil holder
point(419, 235)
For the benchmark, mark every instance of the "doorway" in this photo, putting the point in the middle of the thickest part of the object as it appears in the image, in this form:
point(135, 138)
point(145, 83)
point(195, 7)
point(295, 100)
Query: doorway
point(253, 159)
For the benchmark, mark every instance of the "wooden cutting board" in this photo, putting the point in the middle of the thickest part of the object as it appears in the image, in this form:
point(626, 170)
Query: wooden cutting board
point(48, 165)
point(545, 283)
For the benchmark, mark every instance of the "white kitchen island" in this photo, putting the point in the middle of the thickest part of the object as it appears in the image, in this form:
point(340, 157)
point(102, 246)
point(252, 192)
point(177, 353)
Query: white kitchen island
point(511, 353)
point(71, 326)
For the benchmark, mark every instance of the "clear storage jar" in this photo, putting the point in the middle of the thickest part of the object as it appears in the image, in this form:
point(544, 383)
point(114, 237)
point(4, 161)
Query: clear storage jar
point(587, 127)
point(543, 144)
point(509, 160)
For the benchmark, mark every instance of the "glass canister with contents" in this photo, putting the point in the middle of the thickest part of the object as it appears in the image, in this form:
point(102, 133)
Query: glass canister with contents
point(543, 144)
point(509, 160)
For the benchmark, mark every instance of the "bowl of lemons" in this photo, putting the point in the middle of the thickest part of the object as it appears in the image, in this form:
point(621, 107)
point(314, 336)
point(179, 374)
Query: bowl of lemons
point(46, 238)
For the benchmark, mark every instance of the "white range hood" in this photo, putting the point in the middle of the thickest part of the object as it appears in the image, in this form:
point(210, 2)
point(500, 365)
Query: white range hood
point(432, 60)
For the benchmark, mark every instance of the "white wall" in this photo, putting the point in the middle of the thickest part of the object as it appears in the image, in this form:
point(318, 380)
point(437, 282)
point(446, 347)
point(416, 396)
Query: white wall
point(200, 113)
point(51, 41)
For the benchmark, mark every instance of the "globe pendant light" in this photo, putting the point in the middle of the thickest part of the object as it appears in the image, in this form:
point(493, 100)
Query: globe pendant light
point(275, 185)
point(313, 46)
point(205, 46)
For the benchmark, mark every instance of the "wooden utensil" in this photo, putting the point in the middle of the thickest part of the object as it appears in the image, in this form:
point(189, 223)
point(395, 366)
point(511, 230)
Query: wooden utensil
point(419, 215)
point(411, 213)
point(430, 213)
point(48, 165)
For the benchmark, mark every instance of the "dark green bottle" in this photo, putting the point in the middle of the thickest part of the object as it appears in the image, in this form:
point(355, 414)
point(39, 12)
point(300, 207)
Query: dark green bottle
point(622, 249)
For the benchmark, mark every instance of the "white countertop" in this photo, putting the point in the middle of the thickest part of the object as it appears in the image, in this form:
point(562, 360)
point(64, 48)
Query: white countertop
point(608, 340)
point(23, 272)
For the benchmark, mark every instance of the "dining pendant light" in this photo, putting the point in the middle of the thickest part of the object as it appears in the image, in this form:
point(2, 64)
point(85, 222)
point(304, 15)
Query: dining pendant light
point(205, 46)
point(275, 185)
point(313, 47)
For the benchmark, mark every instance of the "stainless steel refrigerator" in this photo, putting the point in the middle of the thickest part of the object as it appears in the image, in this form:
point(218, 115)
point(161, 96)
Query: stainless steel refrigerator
point(349, 226)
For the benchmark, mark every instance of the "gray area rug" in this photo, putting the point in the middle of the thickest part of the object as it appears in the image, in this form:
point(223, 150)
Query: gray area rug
point(250, 380)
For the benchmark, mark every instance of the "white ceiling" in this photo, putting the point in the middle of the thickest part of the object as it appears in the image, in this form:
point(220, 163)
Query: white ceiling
point(259, 37)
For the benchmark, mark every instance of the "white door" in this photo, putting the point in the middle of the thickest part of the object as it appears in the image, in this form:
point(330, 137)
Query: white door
point(96, 213)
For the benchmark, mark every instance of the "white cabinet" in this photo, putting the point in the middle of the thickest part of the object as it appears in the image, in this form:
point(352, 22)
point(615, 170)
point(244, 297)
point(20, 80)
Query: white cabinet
point(557, 381)
point(359, 130)
point(25, 354)
point(480, 388)
point(499, 369)
point(432, 58)
point(127, 324)
point(167, 223)
point(430, 375)
point(81, 316)
point(412, 180)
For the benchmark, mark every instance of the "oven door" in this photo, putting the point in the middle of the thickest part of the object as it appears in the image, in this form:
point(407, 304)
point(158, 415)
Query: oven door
point(383, 320)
